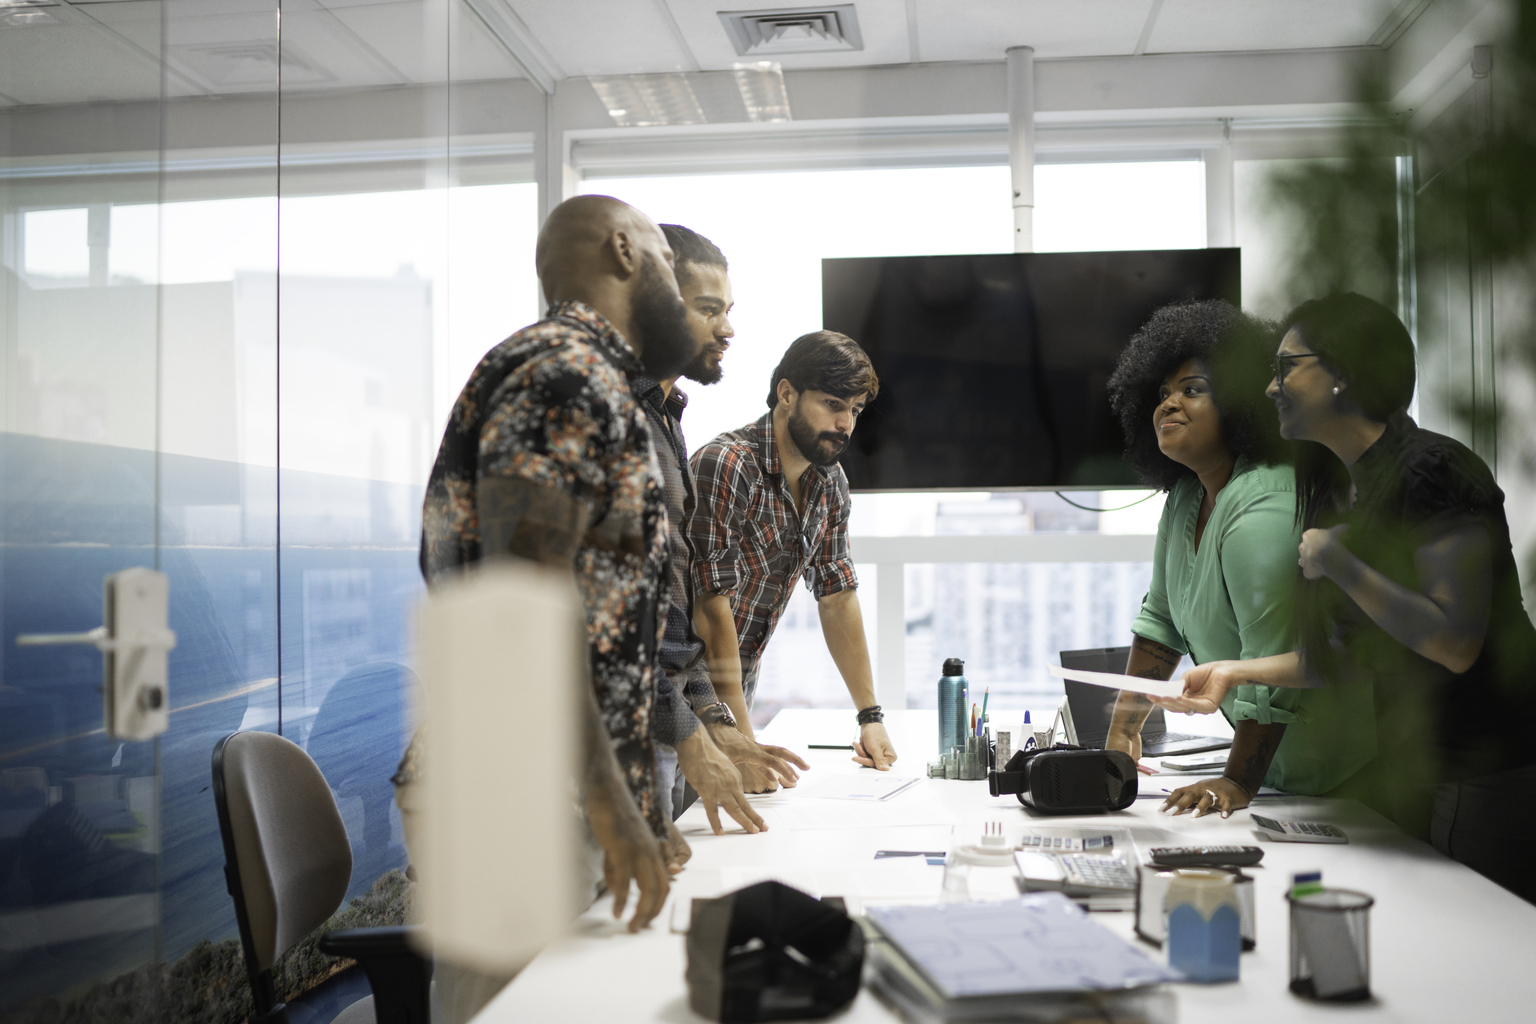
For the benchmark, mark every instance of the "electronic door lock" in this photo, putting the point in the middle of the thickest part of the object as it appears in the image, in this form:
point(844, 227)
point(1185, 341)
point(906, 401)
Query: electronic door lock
point(134, 642)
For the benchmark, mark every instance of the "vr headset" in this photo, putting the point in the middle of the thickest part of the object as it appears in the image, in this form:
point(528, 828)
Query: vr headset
point(1068, 780)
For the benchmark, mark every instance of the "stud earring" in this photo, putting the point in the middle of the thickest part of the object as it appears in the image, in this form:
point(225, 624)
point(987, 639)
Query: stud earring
point(1335, 390)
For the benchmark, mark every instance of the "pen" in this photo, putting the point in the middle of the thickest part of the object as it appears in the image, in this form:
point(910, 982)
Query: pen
point(985, 696)
point(829, 746)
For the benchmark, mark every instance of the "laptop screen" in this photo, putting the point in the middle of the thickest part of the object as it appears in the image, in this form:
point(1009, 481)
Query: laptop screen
point(1093, 706)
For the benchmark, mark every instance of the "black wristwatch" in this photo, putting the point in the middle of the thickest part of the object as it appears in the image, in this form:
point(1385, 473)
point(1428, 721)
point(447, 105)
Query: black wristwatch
point(719, 711)
point(871, 715)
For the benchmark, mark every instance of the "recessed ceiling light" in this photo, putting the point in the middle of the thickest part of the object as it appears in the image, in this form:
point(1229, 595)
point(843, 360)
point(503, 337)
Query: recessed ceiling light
point(19, 16)
point(754, 91)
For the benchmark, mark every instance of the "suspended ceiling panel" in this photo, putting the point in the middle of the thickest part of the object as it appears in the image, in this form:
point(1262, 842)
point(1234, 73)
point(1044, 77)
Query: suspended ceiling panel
point(80, 62)
point(983, 29)
point(882, 25)
point(1188, 26)
point(112, 51)
point(604, 37)
point(409, 36)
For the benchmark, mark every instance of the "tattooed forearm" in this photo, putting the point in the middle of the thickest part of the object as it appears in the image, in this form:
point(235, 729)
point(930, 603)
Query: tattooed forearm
point(1253, 748)
point(522, 518)
point(1152, 660)
point(1149, 660)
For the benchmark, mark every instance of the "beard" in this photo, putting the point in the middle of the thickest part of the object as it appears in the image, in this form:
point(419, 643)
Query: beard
point(659, 321)
point(813, 445)
point(700, 370)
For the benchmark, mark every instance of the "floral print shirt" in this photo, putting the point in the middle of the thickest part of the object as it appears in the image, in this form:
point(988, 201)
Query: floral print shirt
point(552, 404)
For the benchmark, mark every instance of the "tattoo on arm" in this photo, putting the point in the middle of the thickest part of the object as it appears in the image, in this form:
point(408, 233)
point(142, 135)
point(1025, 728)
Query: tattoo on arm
point(1253, 748)
point(1149, 660)
point(1155, 661)
point(522, 518)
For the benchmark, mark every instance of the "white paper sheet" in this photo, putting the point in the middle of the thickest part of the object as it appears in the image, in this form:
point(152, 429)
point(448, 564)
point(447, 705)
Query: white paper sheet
point(869, 786)
point(1136, 684)
point(896, 814)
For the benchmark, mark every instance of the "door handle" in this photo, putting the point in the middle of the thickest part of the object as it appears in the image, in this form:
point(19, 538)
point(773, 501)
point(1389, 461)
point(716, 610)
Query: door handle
point(134, 641)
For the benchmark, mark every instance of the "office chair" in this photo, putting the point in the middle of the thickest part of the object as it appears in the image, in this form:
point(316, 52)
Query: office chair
point(287, 863)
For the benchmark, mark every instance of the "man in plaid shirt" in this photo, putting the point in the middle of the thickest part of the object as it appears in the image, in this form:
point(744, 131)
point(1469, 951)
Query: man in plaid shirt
point(772, 507)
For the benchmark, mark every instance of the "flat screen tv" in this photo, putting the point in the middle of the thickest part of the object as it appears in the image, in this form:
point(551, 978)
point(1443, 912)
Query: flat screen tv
point(993, 368)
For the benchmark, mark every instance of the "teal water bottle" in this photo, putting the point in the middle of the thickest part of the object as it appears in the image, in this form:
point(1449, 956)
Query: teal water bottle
point(954, 700)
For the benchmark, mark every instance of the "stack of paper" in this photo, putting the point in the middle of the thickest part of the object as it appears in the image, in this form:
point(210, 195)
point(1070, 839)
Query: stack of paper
point(972, 961)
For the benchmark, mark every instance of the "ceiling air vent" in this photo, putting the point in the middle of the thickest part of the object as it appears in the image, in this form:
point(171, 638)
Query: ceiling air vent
point(793, 30)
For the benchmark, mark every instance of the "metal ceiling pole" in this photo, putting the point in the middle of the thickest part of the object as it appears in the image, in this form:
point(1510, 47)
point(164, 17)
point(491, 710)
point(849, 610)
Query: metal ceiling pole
point(1021, 144)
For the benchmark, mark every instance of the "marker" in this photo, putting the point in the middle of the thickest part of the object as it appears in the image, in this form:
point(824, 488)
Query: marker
point(1305, 883)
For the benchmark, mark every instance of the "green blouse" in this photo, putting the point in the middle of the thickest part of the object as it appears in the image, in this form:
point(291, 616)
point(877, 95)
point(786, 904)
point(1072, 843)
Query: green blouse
point(1231, 599)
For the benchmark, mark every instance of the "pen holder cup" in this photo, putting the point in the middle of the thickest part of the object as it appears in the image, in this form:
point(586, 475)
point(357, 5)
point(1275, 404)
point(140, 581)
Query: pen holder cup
point(973, 763)
point(1331, 945)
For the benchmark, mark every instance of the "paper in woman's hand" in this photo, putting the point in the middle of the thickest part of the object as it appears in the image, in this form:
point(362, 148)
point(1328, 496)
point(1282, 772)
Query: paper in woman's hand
point(1114, 681)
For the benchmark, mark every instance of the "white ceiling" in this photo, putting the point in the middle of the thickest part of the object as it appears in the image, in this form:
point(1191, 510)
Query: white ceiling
point(111, 50)
point(609, 37)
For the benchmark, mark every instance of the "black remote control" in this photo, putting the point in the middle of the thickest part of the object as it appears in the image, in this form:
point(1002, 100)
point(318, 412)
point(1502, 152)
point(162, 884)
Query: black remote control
point(1206, 856)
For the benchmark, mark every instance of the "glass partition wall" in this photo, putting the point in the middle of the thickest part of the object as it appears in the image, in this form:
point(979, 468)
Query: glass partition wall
point(249, 256)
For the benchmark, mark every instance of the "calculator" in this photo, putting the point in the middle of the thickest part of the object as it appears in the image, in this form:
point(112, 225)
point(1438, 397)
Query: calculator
point(1300, 831)
point(1065, 844)
point(1076, 874)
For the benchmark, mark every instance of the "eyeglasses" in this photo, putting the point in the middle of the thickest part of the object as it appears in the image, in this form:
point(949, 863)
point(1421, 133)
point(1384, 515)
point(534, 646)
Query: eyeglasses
point(1281, 365)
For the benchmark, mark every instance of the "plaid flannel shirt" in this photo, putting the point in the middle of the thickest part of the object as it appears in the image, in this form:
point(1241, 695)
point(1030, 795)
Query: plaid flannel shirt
point(748, 541)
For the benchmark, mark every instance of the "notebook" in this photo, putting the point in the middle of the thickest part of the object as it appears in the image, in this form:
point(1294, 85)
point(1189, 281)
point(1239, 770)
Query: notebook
point(1038, 943)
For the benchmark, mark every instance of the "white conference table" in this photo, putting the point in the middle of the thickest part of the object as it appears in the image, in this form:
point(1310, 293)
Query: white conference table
point(1446, 943)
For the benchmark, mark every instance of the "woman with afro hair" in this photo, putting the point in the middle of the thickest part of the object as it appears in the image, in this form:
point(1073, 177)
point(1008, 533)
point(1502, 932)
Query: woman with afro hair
point(1189, 394)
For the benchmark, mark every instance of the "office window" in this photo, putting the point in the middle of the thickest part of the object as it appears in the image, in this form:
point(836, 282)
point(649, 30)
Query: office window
point(775, 229)
point(1093, 207)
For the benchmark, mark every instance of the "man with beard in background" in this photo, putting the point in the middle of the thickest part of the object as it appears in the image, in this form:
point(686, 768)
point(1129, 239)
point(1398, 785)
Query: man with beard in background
point(689, 717)
point(547, 456)
point(772, 507)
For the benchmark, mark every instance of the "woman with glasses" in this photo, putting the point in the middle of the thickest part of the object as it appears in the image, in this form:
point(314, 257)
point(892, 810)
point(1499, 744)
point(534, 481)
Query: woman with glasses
point(1189, 395)
point(1409, 583)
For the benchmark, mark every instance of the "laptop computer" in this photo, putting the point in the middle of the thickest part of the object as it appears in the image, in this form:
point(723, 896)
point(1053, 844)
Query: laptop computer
point(1093, 708)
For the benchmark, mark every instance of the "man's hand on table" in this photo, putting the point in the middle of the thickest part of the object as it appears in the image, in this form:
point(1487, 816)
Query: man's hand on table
point(717, 781)
point(630, 852)
point(1128, 742)
point(873, 748)
point(1125, 741)
point(763, 767)
point(678, 850)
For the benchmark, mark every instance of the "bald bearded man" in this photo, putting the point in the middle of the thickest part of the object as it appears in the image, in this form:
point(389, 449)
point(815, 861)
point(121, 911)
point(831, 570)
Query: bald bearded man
point(547, 456)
